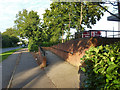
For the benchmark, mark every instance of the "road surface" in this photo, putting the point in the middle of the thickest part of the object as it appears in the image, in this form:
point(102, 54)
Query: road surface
point(8, 49)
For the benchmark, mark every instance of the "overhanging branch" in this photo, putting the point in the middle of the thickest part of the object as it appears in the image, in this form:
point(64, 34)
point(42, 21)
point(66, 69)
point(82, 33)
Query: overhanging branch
point(109, 11)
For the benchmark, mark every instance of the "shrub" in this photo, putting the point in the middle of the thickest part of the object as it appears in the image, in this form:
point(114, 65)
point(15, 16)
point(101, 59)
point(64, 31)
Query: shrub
point(48, 44)
point(102, 67)
point(32, 46)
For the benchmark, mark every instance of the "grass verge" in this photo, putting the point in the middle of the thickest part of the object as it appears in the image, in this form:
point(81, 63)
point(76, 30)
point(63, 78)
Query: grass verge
point(4, 55)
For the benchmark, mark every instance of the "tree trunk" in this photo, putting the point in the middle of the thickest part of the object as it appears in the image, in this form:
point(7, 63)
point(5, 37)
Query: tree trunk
point(62, 36)
point(69, 26)
point(81, 14)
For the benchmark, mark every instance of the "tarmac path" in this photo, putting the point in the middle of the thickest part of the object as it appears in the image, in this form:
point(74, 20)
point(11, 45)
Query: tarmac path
point(8, 67)
point(58, 73)
point(28, 70)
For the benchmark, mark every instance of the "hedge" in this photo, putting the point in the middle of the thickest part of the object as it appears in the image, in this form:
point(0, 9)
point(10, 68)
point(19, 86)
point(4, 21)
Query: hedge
point(102, 67)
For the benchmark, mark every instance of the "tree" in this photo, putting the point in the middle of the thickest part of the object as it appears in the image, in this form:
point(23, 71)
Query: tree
point(113, 3)
point(9, 41)
point(14, 40)
point(28, 24)
point(9, 37)
point(10, 32)
point(6, 41)
point(66, 15)
point(52, 27)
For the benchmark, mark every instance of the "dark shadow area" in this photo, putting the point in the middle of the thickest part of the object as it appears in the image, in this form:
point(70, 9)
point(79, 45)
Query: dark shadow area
point(25, 68)
point(94, 81)
point(82, 78)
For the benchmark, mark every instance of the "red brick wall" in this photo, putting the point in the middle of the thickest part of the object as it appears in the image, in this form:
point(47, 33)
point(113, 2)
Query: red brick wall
point(78, 47)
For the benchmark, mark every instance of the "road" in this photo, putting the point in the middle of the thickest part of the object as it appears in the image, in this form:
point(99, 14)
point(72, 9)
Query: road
point(8, 49)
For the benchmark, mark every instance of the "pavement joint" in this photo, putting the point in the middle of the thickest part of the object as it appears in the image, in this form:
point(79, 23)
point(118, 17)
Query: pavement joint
point(51, 80)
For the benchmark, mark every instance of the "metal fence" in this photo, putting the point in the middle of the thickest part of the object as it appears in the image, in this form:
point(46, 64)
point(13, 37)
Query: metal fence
point(107, 33)
point(104, 33)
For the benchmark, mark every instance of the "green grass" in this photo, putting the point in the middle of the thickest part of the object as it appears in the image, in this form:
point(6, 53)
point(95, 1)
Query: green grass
point(4, 55)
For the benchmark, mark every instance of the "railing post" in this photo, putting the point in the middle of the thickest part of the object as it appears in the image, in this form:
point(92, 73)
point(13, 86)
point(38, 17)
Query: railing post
point(90, 33)
point(82, 34)
point(106, 34)
point(113, 34)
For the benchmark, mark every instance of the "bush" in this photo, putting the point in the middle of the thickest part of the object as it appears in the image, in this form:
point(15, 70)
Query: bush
point(48, 44)
point(102, 67)
point(32, 46)
point(9, 41)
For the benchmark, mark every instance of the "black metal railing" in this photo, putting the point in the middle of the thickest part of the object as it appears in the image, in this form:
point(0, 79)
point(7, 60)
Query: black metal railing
point(63, 50)
point(41, 50)
point(106, 33)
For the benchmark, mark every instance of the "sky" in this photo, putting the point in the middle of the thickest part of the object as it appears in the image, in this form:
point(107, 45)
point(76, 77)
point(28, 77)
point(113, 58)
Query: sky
point(9, 9)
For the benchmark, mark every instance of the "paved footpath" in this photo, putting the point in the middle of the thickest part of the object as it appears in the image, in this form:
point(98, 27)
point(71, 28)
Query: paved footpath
point(58, 73)
point(7, 67)
point(27, 71)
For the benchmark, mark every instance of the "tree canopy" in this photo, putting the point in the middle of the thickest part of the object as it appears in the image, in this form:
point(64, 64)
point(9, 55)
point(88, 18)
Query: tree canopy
point(28, 24)
point(9, 41)
point(10, 31)
point(66, 15)
point(59, 19)
point(9, 38)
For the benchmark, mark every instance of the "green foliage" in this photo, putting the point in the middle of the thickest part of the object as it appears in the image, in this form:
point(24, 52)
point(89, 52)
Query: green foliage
point(103, 67)
point(10, 32)
point(32, 46)
point(9, 38)
point(28, 24)
point(65, 15)
point(48, 44)
point(9, 41)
